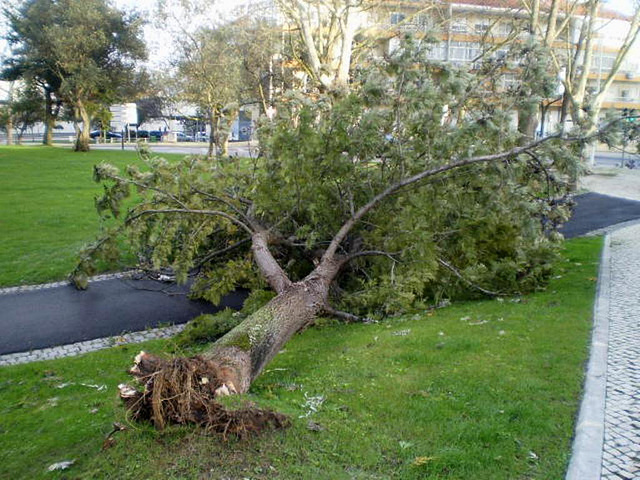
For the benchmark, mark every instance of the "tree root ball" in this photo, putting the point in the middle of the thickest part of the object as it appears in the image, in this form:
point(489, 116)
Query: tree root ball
point(184, 390)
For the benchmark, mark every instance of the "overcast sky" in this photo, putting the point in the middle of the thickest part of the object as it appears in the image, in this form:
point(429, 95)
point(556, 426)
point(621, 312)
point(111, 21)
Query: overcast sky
point(161, 44)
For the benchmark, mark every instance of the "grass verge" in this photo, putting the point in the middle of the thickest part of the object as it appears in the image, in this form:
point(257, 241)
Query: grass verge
point(48, 212)
point(478, 390)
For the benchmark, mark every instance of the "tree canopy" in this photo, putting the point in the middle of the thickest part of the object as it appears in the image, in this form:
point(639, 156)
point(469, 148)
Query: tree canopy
point(83, 52)
point(488, 223)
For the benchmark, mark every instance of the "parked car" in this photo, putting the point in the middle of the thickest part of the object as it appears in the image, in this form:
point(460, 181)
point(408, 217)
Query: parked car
point(155, 135)
point(202, 137)
point(139, 133)
point(109, 134)
point(183, 137)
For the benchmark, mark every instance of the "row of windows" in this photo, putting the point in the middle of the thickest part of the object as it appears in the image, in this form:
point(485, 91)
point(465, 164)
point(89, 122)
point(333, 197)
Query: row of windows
point(460, 51)
point(603, 62)
point(622, 93)
point(479, 27)
point(468, 51)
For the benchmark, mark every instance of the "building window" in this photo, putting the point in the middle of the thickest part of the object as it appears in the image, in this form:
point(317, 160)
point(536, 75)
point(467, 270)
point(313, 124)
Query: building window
point(397, 18)
point(464, 51)
point(458, 27)
point(625, 94)
point(481, 27)
point(509, 81)
point(603, 62)
point(501, 53)
point(505, 29)
point(424, 22)
point(437, 51)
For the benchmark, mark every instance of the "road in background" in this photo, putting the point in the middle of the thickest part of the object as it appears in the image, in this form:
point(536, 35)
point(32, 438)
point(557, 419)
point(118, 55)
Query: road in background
point(241, 149)
point(247, 149)
point(613, 159)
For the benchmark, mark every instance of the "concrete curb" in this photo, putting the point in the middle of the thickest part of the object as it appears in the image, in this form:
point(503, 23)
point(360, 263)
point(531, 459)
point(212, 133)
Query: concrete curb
point(80, 348)
point(612, 228)
point(586, 456)
point(45, 286)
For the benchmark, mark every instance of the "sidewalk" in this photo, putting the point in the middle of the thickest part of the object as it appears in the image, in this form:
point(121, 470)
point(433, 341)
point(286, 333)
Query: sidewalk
point(607, 441)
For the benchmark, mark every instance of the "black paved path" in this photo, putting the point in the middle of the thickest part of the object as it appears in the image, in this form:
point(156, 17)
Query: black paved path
point(62, 315)
point(594, 211)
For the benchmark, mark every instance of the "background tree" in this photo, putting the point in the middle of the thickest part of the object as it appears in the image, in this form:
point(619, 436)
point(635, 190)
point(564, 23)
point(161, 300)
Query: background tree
point(259, 43)
point(369, 201)
point(87, 49)
point(28, 62)
point(570, 32)
point(26, 108)
point(6, 113)
point(326, 30)
point(208, 74)
point(150, 107)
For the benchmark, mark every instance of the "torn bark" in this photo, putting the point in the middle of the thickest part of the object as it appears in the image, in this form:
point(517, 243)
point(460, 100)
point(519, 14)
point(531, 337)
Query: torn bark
point(184, 390)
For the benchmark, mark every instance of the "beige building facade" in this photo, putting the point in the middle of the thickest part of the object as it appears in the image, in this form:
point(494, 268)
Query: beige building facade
point(466, 30)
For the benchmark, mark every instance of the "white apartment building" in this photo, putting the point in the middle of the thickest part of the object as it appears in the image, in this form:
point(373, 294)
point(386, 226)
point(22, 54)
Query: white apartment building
point(463, 27)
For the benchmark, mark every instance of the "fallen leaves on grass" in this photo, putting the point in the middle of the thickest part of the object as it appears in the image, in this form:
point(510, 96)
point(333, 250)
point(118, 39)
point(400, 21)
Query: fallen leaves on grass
point(60, 465)
point(402, 333)
point(109, 440)
point(312, 404)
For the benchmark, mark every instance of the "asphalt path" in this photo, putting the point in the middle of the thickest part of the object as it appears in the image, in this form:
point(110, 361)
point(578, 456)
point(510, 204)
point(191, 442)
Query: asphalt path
point(594, 211)
point(61, 315)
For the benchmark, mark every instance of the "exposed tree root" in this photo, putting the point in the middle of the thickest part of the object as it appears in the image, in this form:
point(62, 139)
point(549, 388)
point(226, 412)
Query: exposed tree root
point(184, 390)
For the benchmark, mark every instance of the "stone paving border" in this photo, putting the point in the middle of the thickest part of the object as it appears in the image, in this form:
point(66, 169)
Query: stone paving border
point(612, 228)
point(88, 346)
point(586, 456)
point(621, 451)
point(46, 286)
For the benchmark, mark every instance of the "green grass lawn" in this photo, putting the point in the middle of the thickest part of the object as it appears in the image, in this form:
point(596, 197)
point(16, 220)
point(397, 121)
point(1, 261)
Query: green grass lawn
point(478, 390)
point(46, 210)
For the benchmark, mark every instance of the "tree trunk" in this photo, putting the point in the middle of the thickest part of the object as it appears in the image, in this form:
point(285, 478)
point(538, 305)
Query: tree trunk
point(184, 390)
point(249, 347)
point(82, 136)
point(212, 139)
point(220, 135)
point(224, 143)
point(49, 119)
point(20, 134)
point(243, 353)
point(9, 128)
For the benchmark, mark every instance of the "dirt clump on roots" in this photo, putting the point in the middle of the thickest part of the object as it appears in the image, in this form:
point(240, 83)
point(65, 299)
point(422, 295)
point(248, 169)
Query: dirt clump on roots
point(183, 391)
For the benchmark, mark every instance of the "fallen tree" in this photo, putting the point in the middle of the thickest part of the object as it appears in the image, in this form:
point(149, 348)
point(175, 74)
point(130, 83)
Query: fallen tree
point(373, 201)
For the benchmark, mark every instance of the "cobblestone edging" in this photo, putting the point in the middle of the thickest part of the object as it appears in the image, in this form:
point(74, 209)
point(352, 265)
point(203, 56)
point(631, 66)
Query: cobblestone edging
point(88, 346)
point(607, 441)
point(46, 286)
point(621, 453)
point(612, 228)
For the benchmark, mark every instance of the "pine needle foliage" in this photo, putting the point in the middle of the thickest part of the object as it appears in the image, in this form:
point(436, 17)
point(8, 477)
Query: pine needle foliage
point(483, 227)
